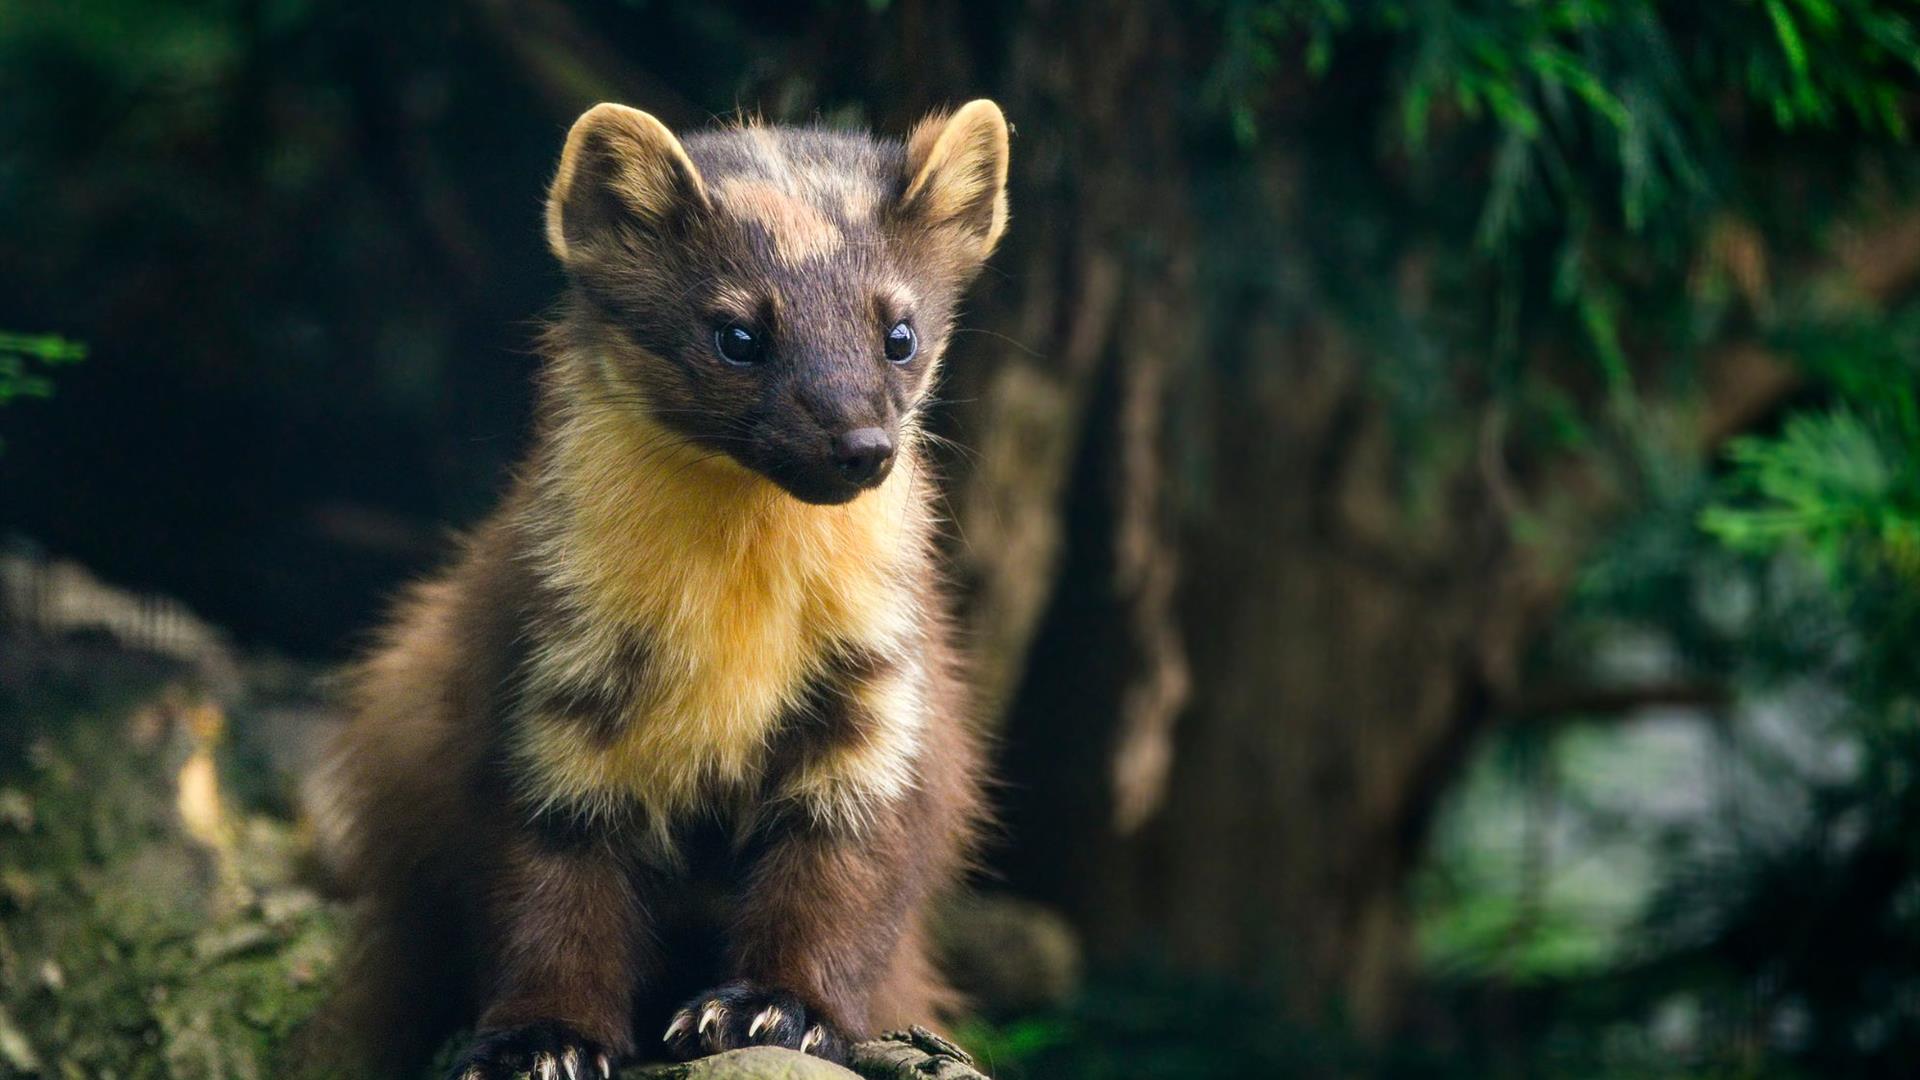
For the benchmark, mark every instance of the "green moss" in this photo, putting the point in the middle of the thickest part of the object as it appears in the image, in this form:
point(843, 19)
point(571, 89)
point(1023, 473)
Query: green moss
point(128, 949)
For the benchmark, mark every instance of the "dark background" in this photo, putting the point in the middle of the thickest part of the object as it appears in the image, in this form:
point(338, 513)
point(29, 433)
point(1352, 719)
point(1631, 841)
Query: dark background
point(1437, 515)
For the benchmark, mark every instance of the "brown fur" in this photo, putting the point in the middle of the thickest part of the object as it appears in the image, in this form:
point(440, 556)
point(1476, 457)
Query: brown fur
point(664, 724)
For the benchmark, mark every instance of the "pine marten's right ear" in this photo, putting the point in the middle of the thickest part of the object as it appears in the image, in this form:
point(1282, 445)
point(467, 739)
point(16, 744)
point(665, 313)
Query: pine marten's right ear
point(621, 169)
point(957, 174)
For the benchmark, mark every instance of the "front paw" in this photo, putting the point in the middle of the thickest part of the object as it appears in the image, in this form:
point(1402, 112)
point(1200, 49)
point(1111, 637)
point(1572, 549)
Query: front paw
point(741, 1014)
point(547, 1050)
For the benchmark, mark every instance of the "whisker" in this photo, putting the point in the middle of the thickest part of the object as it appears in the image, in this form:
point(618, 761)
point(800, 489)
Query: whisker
point(1022, 346)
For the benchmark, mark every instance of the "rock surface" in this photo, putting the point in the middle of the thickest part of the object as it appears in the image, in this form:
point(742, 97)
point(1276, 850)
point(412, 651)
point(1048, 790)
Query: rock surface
point(916, 1054)
point(754, 1063)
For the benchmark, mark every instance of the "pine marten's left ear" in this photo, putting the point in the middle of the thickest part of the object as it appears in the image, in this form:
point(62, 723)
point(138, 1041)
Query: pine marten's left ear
point(957, 174)
point(621, 169)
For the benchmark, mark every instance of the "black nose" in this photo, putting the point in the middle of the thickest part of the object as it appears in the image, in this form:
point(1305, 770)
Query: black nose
point(862, 455)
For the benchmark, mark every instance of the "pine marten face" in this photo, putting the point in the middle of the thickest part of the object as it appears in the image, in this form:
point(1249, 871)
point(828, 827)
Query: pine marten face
point(779, 296)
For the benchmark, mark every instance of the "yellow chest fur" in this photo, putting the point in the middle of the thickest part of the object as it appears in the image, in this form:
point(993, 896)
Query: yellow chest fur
point(739, 592)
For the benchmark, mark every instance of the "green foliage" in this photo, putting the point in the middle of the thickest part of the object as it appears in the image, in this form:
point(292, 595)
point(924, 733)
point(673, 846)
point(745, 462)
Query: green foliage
point(1149, 1022)
point(1017, 1040)
point(1569, 161)
point(1501, 899)
point(1840, 485)
point(1832, 484)
point(1775, 921)
point(24, 359)
point(1552, 84)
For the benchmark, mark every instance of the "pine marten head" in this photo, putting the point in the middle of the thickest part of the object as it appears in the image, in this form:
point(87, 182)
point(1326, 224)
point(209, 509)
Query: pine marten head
point(779, 296)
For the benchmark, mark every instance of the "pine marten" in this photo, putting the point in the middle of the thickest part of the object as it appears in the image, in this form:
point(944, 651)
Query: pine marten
point(672, 758)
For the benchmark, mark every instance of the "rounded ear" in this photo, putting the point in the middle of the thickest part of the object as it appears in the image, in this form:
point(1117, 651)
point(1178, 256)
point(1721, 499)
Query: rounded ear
point(957, 174)
point(621, 167)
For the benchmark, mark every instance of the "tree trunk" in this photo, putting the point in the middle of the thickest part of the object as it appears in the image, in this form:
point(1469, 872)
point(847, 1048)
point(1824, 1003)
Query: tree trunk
point(1342, 650)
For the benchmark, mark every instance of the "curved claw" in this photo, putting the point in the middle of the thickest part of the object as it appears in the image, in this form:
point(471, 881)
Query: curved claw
point(812, 1038)
point(680, 1023)
point(710, 1015)
point(768, 1017)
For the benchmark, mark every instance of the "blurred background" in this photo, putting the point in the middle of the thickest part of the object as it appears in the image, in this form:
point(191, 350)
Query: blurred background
point(1437, 506)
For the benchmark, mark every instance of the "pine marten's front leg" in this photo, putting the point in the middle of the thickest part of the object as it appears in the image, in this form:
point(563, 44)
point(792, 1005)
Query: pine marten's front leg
point(843, 858)
point(567, 932)
point(815, 933)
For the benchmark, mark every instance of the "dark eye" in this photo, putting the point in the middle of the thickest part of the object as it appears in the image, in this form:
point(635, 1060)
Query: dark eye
point(737, 344)
point(901, 343)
